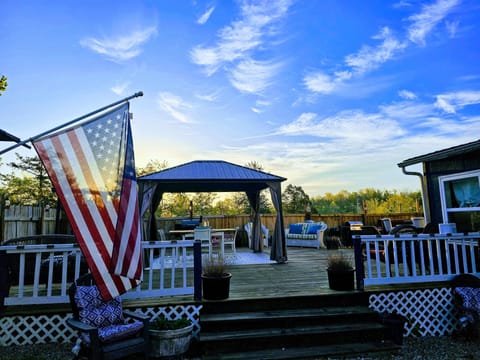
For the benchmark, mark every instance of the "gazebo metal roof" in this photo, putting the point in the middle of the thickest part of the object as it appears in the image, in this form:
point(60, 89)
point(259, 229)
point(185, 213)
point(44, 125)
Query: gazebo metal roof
point(210, 176)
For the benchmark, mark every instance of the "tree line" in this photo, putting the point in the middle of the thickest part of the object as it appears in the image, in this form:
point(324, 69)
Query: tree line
point(28, 184)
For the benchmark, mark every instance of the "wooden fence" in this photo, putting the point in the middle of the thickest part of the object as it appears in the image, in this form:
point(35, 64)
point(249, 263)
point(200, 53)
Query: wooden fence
point(19, 221)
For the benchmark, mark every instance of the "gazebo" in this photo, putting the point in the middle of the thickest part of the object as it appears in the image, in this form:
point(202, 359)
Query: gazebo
point(217, 176)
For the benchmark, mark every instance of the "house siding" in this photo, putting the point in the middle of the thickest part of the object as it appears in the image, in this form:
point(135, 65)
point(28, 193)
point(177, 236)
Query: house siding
point(452, 165)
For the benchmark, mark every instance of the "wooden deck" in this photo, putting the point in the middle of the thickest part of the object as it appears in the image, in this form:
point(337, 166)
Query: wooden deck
point(303, 275)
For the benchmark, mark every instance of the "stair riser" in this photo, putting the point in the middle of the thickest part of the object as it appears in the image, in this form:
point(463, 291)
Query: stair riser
point(234, 306)
point(289, 341)
point(221, 326)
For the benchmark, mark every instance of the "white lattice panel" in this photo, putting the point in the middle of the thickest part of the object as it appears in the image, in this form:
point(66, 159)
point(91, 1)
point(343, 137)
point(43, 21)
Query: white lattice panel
point(429, 312)
point(42, 329)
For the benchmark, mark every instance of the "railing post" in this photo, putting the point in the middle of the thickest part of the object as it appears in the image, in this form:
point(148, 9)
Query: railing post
point(359, 271)
point(197, 270)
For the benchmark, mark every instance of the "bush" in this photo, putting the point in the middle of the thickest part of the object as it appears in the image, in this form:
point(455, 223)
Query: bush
point(162, 323)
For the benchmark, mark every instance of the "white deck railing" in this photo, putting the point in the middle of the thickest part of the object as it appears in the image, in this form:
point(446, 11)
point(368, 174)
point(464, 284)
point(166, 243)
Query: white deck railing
point(42, 273)
point(412, 258)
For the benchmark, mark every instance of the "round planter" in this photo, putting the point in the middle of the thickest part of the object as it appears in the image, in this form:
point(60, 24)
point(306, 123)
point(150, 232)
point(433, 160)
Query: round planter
point(165, 343)
point(216, 288)
point(341, 279)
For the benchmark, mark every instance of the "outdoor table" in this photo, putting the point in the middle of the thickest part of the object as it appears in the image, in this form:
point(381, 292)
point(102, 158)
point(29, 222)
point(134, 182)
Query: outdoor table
point(215, 233)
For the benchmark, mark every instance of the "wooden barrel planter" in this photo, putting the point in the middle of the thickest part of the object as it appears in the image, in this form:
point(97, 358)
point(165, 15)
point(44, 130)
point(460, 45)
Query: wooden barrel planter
point(167, 343)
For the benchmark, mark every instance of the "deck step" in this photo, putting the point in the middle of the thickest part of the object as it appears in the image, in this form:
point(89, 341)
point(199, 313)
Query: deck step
point(281, 318)
point(294, 336)
point(304, 327)
point(362, 350)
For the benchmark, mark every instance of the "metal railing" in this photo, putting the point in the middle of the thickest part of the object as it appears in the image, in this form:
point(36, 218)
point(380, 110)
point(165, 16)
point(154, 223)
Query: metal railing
point(414, 258)
point(41, 274)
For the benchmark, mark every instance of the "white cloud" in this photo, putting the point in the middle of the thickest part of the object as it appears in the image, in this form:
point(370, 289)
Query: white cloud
point(451, 102)
point(320, 82)
point(120, 48)
point(366, 59)
point(251, 76)
point(119, 89)
point(208, 97)
point(237, 43)
point(428, 18)
point(405, 94)
point(452, 27)
point(407, 110)
point(350, 125)
point(369, 58)
point(205, 16)
point(175, 106)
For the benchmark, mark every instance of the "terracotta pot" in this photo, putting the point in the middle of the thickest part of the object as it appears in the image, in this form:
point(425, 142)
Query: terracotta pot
point(215, 287)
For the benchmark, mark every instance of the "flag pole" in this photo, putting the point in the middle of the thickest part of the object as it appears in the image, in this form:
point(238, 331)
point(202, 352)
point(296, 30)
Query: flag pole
point(23, 142)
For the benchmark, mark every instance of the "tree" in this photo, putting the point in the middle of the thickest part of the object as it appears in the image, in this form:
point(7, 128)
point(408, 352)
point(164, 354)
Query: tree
point(294, 199)
point(3, 84)
point(34, 187)
point(151, 167)
point(265, 204)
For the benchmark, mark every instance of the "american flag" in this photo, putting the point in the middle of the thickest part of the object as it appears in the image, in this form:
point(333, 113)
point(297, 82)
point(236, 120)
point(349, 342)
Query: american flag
point(92, 169)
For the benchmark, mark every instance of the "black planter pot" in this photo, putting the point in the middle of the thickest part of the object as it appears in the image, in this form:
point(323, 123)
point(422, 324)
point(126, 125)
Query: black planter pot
point(341, 279)
point(394, 327)
point(216, 288)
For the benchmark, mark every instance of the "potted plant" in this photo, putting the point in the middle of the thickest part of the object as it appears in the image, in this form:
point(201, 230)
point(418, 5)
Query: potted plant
point(169, 337)
point(215, 278)
point(341, 273)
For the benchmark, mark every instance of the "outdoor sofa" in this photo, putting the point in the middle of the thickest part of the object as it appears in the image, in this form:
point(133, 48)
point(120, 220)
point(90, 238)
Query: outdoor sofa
point(306, 234)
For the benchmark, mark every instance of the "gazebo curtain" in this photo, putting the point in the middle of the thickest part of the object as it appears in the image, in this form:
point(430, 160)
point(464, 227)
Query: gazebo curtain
point(279, 248)
point(150, 197)
point(257, 237)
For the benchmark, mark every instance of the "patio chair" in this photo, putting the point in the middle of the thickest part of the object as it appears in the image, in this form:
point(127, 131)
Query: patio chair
point(229, 239)
point(161, 235)
point(265, 232)
point(204, 234)
point(466, 293)
point(106, 330)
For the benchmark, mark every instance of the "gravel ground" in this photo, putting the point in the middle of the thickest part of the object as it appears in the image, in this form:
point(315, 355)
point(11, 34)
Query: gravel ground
point(426, 348)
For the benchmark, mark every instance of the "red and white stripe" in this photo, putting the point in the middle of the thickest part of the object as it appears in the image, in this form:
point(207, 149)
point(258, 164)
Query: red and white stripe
point(92, 213)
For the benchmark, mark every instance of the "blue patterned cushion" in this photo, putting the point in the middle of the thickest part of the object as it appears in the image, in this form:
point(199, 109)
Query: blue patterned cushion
point(305, 227)
point(93, 310)
point(302, 236)
point(313, 228)
point(295, 228)
point(115, 332)
point(470, 302)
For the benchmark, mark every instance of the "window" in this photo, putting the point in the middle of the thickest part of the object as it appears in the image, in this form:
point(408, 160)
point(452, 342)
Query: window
point(460, 196)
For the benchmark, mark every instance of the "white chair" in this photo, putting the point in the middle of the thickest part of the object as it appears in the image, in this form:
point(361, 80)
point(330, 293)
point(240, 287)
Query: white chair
point(229, 239)
point(265, 231)
point(161, 235)
point(204, 234)
point(217, 241)
point(387, 224)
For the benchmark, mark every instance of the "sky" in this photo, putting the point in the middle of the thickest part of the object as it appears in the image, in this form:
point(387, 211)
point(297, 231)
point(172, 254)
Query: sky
point(329, 94)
